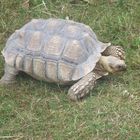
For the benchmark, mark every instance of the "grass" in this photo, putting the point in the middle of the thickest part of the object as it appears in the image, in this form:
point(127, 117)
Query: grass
point(34, 110)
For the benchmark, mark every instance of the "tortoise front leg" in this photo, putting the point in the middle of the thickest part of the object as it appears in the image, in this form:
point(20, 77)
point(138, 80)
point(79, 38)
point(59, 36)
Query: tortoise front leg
point(82, 87)
point(9, 75)
point(116, 51)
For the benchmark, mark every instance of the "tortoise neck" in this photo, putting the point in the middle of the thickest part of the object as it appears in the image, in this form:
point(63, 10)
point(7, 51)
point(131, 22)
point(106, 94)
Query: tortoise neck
point(104, 62)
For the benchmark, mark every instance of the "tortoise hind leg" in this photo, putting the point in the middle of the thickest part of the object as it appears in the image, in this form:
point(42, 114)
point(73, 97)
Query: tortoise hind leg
point(82, 87)
point(9, 75)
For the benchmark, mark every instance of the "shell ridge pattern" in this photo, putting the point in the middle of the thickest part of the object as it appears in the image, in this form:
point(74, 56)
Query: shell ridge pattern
point(88, 29)
point(35, 41)
point(51, 70)
point(91, 42)
point(26, 51)
point(32, 26)
point(22, 63)
point(62, 53)
point(15, 60)
point(54, 26)
point(86, 67)
point(65, 71)
point(67, 59)
point(10, 41)
point(31, 53)
point(35, 25)
point(11, 38)
point(71, 30)
point(53, 46)
point(60, 58)
point(71, 48)
point(28, 39)
point(46, 74)
point(84, 47)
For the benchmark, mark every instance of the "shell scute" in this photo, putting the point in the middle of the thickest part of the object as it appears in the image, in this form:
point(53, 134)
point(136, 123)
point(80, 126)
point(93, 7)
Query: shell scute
point(35, 41)
point(39, 68)
point(35, 24)
point(10, 58)
point(54, 26)
point(71, 31)
point(54, 45)
point(74, 53)
point(20, 39)
point(28, 64)
point(38, 24)
point(65, 71)
point(19, 62)
point(51, 70)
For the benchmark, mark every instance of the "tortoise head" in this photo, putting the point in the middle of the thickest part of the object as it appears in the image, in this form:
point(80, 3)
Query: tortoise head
point(112, 64)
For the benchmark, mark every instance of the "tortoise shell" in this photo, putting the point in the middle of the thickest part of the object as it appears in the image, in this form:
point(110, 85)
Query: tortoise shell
point(54, 50)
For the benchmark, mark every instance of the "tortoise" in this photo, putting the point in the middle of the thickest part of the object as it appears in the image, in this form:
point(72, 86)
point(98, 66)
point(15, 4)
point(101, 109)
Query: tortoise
point(63, 52)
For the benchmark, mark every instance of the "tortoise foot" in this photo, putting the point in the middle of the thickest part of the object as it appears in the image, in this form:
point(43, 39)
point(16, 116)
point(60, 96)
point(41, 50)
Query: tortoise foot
point(6, 82)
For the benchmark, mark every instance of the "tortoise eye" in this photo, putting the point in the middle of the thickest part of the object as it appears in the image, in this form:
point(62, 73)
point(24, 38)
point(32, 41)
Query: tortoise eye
point(120, 66)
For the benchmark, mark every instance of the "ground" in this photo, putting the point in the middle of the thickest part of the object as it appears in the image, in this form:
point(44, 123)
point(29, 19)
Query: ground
point(35, 110)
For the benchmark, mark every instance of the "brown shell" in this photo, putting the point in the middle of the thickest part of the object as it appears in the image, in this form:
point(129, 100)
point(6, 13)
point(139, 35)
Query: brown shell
point(54, 50)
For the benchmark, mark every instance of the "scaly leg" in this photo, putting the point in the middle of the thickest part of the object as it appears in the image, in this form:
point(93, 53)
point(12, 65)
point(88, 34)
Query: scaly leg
point(9, 75)
point(116, 51)
point(82, 87)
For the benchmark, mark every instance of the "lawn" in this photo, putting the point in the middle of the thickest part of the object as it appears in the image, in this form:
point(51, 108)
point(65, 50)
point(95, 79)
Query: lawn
point(35, 110)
